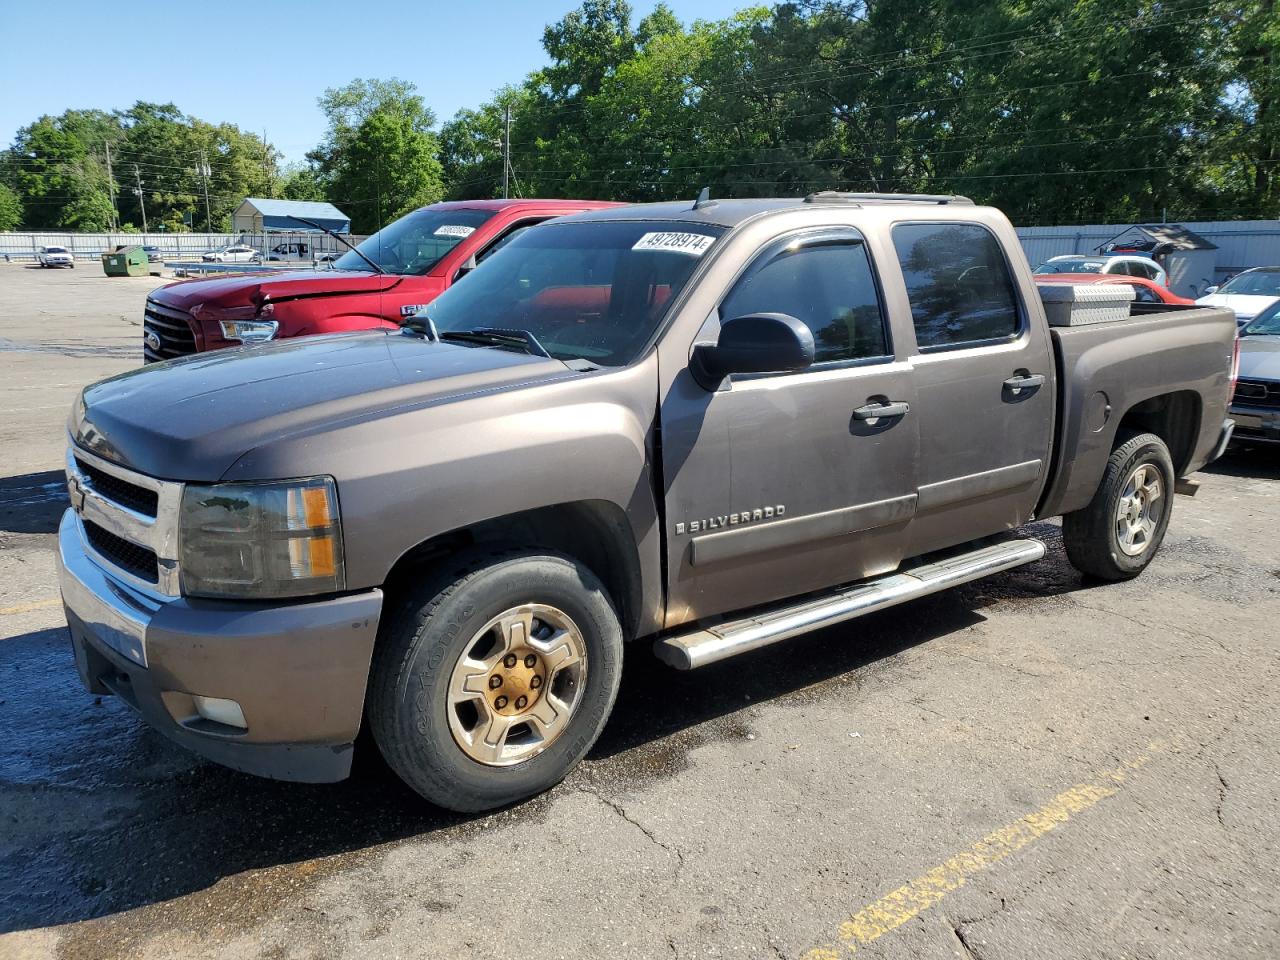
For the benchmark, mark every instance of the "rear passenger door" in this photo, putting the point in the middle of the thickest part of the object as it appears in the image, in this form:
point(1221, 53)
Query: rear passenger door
point(780, 484)
point(984, 383)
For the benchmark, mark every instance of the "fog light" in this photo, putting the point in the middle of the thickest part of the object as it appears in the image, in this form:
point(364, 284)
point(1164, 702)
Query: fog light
point(227, 712)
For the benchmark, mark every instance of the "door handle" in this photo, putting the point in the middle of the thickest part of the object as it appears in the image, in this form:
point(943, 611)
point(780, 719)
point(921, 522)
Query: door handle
point(873, 411)
point(1024, 382)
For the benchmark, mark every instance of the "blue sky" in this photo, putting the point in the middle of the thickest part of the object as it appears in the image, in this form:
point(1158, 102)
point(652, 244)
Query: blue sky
point(261, 65)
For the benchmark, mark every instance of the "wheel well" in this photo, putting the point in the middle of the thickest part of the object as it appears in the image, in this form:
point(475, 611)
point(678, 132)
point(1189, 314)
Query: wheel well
point(1173, 417)
point(594, 532)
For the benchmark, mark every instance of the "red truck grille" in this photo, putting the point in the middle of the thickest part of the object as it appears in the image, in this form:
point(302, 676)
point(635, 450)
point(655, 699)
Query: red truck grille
point(166, 332)
point(1258, 393)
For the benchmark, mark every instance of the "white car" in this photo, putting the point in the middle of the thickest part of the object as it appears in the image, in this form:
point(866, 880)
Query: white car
point(1117, 265)
point(235, 253)
point(55, 257)
point(1246, 294)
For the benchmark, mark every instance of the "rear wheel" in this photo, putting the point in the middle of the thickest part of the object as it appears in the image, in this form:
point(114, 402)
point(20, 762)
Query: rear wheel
point(1119, 532)
point(495, 679)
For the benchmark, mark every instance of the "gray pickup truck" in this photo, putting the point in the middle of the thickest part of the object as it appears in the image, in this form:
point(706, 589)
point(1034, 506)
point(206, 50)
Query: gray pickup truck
point(709, 427)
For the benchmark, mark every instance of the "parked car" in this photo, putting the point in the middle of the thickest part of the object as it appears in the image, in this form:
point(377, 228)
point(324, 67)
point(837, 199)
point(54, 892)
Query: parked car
point(394, 274)
point(235, 253)
point(1255, 406)
point(290, 251)
point(452, 529)
point(1246, 294)
point(1128, 265)
point(154, 254)
point(1144, 290)
point(55, 257)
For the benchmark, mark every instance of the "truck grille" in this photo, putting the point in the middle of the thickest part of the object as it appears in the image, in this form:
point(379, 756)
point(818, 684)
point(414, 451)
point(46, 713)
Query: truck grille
point(1258, 393)
point(138, 499)
point(130, 557)
point(166, 332)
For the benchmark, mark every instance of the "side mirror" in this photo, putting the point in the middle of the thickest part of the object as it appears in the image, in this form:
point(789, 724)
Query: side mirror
point(1212, 288)
point(468, 265)
point(755, 343)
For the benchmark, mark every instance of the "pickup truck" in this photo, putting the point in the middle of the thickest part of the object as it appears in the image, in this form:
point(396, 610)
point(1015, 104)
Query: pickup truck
point(706, 427)
point(396, 273)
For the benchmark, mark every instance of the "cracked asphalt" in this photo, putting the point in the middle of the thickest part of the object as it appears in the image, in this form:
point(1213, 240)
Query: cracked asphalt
point(1028, 766)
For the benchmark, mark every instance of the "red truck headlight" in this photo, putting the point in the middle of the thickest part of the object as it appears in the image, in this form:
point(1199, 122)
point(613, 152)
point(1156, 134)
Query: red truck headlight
point(261, 540)
point(249, 331)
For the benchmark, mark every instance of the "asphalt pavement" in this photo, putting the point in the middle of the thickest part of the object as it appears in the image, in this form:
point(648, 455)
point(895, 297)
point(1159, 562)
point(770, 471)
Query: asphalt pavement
point(1029, 766)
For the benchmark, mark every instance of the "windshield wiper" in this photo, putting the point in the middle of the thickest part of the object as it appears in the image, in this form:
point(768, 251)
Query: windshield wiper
point(312, 223)
point(497, 336)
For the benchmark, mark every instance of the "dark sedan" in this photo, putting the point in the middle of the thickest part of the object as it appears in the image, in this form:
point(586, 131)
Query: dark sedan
point(1256, 404)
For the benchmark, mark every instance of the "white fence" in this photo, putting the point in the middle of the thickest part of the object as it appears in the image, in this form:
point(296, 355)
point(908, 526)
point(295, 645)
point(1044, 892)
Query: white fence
point(173, 246)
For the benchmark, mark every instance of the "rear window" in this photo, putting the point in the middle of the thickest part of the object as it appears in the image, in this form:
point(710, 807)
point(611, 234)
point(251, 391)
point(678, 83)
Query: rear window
point(958, 284)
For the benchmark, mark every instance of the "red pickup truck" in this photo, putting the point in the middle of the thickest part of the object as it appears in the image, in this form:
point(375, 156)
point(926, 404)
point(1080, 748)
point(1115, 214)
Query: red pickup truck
point(394, 274)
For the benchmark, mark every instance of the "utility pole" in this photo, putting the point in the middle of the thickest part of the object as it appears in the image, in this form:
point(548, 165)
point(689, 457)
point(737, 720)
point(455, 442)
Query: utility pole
point(137, 177)
point(111, 189)
point(205, 170)
point(506, 153)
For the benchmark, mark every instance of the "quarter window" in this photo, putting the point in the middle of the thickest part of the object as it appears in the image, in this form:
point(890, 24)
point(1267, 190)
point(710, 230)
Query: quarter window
point(957, 282)
point(828, 285)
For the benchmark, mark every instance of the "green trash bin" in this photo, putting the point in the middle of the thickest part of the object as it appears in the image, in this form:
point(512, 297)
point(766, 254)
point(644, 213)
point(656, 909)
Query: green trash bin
point(126, 261)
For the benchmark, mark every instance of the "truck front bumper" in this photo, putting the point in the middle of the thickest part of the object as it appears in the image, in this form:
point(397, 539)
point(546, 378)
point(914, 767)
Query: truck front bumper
point(1256, 424)
point(297, 671)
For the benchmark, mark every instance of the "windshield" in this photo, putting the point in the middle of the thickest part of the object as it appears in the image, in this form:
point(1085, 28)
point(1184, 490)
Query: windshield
point(55, 249)
point(415, 243)
point(1265, 324)
point(1257, 283)
point(595, 289)
point(1072, 265)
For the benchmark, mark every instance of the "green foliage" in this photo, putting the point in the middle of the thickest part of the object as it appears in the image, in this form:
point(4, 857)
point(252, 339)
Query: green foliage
point(301, 183)
point(10, 209)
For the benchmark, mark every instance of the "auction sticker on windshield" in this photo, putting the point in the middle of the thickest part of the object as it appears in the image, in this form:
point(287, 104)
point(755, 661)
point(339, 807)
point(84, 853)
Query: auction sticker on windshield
point(695, 244)
point(454, 230)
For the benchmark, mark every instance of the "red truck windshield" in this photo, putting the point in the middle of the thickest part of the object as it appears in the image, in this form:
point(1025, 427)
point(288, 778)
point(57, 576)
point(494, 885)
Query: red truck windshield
point(415, 243)
point(593, 289)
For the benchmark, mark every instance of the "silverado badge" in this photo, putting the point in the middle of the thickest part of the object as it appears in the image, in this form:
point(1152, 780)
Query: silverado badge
point(731, 519)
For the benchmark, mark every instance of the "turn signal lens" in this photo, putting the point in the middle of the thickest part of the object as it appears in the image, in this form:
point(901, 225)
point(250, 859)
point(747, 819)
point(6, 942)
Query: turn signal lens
point(261, 540)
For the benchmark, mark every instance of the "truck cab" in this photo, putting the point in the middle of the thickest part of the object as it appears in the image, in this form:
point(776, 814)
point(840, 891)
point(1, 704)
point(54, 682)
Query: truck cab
point(403, 268)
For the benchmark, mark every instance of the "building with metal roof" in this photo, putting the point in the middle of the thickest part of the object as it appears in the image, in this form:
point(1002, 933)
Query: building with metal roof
point(259, 215)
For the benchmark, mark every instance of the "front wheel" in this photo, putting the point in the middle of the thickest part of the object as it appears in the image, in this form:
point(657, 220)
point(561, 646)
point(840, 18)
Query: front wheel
point(495, 678)
point(1117, 535)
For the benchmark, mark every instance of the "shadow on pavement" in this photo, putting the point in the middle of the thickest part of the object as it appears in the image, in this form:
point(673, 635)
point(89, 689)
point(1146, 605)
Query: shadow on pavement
point(32, 502)
point(1258, 461)
point(103, 815)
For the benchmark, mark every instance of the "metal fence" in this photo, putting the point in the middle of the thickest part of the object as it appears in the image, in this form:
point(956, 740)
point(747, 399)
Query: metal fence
point(173, 246)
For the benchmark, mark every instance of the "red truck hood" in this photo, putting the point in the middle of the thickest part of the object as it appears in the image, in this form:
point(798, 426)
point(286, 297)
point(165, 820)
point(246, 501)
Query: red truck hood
point(241, 289)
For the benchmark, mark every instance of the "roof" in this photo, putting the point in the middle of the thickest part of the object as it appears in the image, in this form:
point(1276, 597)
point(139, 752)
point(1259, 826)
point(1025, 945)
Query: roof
point(730, 213)
point(279, 214)
point(1159, 238)
point(530, 204)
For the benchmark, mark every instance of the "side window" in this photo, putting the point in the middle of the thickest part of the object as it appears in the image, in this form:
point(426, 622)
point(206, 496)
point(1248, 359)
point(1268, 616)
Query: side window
point(1144, 294)
point(957, 282)
point(503, 240)
point(828, 285)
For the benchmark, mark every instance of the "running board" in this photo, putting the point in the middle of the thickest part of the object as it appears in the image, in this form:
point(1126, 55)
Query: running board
point(698, 648)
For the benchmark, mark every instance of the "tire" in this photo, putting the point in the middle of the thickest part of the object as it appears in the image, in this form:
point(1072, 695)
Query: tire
point(433, 735)
point(1101, 543)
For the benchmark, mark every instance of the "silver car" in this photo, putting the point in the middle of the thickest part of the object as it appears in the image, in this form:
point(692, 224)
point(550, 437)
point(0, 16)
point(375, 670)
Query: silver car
point(1256, 404)
point(55, 257)
point(235, 253)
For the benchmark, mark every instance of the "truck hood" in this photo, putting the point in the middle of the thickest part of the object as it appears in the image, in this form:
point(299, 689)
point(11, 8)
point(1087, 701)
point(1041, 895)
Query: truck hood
point(240, 289)
point(192, 418)
point(1245, 306)
point(1260, 358)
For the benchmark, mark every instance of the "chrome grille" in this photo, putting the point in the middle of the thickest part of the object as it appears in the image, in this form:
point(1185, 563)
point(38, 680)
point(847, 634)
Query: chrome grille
point(128, 521)
point(1258, 393)
point(166, 332)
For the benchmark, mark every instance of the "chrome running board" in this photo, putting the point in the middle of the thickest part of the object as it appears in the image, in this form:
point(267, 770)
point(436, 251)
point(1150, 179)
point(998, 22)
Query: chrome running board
point(706, 645)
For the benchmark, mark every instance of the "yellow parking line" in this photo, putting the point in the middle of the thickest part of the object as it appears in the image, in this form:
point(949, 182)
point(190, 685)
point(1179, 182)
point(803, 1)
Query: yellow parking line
point(890, 912)
point(34, 605)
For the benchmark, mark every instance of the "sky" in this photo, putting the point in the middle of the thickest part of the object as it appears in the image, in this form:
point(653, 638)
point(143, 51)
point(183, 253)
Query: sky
point(261, 65)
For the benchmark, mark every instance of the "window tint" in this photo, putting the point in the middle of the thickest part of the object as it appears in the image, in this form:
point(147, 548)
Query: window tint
point(828, 285)
point(503, 240)
point(1144, 294)
point(957, 282)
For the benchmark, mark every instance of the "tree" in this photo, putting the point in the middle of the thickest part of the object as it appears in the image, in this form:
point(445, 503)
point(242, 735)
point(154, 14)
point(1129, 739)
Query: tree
point(10, 209)
point(300, 182)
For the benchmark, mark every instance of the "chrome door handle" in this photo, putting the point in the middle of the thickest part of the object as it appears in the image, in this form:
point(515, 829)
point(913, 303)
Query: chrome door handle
point(1024, 382)
point(873, 411)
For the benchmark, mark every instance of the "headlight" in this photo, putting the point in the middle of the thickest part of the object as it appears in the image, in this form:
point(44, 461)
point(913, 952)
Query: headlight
point(249, 331)
point(261, 540)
